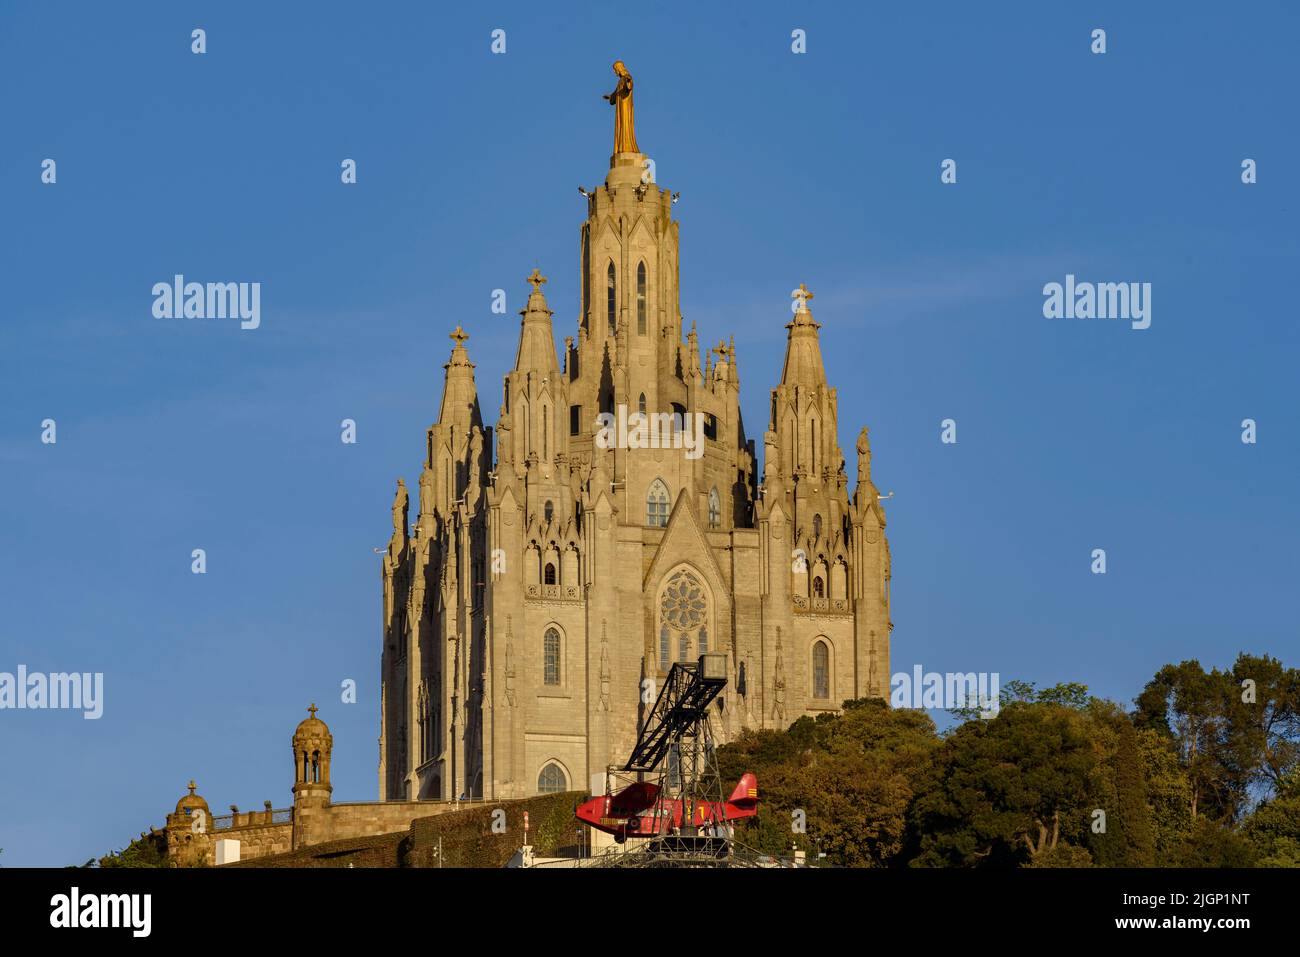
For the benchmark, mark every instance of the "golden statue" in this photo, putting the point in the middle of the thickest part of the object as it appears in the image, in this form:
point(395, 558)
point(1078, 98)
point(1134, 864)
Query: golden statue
point(621, 100)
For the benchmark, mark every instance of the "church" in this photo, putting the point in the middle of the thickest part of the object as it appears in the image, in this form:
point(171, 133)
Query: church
point(550, 578)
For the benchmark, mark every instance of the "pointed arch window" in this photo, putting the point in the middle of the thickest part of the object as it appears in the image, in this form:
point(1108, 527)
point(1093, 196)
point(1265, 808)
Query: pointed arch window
point(551, 656)
point(821, 670)
point(715, 508)
point(684, 612)
point(640, 404)
point(551, 780)
point(819, 587)
point(611, 298)
point(817, 527)
point(548, 510)
point(548, 577)
point(640, 298)
point(656, 505)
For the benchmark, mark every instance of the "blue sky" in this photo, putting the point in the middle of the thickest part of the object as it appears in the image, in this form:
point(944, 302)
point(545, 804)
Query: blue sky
point(820, 168)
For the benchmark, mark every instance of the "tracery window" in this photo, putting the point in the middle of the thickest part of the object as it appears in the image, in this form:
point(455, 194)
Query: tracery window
point(551, 657)
point(640, 298)
point(656, 505)
point(551, 780)
point(821, 668)
point(611, 298)
point(684, 612)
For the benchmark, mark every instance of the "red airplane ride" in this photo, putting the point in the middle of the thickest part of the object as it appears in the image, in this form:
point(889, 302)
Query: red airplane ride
point(638, 811)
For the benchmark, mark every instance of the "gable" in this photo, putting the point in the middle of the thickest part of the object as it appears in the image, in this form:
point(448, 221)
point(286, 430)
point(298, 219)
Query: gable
point(684, 541)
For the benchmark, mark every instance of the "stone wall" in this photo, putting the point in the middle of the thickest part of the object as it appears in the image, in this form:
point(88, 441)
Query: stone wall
point(336, 822)
point(452, 836)
point(258, 840)
point(384, 850)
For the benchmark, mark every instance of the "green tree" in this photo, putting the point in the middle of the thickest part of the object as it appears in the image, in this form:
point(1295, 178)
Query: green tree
point(1119, 792)
point(1168, 793)
point(1215, 844)
point(849, 775)
point(1264, 718)
point(1193, 705)
point(148, 850)
point(1003, 791)
point(1273, 828)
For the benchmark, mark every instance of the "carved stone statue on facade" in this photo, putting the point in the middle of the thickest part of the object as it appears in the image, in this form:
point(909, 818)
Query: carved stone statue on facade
point(401, 503)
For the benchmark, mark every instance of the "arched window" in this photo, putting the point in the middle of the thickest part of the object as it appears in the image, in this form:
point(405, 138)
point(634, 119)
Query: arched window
point(546, 432)
point(684, 612)
point(551, 780)
point(640, 298)
point(548, 510)
point(715, 508)
point(551, 657)
point(656, 505)
point(816, 458)
point(640, 405)
point(611, 299)
point(819, 587)
point(821, 669)
point(817, 527)
point(548, 577)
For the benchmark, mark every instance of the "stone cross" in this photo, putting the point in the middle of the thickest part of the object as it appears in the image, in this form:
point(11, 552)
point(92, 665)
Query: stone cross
point(313, 709)
point(459, 336)
point(803, 295)
point(192, 785)
point(537, 279)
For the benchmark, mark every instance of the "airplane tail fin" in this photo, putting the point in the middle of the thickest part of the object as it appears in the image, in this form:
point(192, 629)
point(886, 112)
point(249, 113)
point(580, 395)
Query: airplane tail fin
point(745, 795)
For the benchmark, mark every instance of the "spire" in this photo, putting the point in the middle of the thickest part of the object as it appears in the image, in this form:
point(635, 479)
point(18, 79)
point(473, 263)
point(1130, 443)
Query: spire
point(459, 394)
point(803, 352)
point(536, 340)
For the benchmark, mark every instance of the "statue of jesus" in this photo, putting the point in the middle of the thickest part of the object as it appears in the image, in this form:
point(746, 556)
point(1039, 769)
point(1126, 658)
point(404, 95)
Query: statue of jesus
point(621, 100)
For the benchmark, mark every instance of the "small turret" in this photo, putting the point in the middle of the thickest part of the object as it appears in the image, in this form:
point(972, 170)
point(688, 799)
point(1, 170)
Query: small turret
point(312, 744)
point(189, 829)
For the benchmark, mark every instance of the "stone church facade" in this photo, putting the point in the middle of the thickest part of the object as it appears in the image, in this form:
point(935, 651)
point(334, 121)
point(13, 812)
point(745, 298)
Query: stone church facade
point(545, 576)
